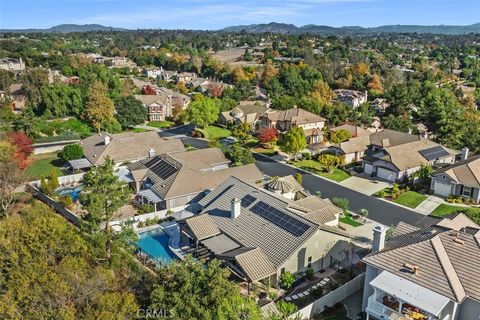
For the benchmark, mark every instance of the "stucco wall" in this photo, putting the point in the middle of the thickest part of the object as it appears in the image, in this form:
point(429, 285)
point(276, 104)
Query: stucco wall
point(321, 244)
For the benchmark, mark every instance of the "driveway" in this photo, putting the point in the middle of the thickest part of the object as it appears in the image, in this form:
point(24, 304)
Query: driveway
point(429, 204)
point(365, 184)
point(379, 211)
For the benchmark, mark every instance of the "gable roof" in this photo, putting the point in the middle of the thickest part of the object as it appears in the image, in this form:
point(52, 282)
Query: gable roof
point(295, 115)
point(443, 255)
point(411, 155)
point(251, 228)
point(466, 172)
point(255, 264)
point(127, 146)
point(389, 138)
point(202, 226)
point(247, 111)
point(315, 209)
point(189, 172)
point(354, 130)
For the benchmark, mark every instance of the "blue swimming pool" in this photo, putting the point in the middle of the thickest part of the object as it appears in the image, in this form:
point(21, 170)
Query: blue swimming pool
point(74, 193)
point(155, 244)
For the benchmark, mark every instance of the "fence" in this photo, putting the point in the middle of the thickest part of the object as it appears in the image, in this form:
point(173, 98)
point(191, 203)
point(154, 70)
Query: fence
point(331, 298)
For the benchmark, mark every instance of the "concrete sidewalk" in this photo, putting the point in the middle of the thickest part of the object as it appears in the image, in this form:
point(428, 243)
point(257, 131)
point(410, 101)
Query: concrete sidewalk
point(429, 204)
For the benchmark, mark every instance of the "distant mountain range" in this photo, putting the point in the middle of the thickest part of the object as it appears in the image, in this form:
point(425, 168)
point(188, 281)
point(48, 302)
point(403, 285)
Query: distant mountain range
point(65, 28)
point(284, 28)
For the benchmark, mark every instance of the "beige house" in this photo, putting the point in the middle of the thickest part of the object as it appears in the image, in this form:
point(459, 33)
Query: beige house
point(461, 179)
point(179, 179)
point(244, 112)
point(161, 105)
point(351, 97)
point(427, 271)
point(127, 146)
point(12, 65)
point(283, 120)
point(260, 235)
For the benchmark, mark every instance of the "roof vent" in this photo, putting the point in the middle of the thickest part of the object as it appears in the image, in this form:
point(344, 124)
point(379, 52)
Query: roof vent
point(411, 268)
point(151, 153)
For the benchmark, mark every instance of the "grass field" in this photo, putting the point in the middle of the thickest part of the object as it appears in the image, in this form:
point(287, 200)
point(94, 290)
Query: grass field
point(160, 124)
point(41, 165)
point(410, 199)
point(445, 209)
point(315, 167)
point(215, 133)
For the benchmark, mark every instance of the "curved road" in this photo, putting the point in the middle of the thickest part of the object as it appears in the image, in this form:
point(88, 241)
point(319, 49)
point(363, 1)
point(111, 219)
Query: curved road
point(380, 211)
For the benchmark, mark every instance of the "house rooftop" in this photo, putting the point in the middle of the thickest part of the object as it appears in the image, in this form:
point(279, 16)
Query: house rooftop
point(297, 116)
point(442, 251)
point(354, 130)
point(127, 146)
point(466, 172)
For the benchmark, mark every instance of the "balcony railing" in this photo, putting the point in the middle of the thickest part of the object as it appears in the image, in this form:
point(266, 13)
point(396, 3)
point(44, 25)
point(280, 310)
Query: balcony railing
point(381, 310)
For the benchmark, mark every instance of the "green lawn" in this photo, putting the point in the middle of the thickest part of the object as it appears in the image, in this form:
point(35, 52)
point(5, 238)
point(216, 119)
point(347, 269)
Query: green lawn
point(160, 124)
point(42, 165)
point(349, 220)
point(315, 167)
point(445, 209)
point(265, 151)
point(215, 133)
point(410, 199)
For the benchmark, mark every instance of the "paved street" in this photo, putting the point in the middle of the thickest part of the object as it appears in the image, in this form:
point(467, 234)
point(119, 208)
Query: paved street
point(363, 183)
point(379, 210)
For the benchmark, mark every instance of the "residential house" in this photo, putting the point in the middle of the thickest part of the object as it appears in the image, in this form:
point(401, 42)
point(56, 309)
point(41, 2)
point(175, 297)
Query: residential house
point(177, 179)
point(127, 146)
point(283, 120)
point(354, 149)
point(154, 73)
point(351, 97)
point(398, 162)
point(161, 105)
point(186, 77)
point(287, 187)
point(245, 112)
point(261, 235)
point(18, 97)
point(354, 130)
point(12, 65)
point(380, 105)
point(119, 62)
point(461, 179)
point(428, 271)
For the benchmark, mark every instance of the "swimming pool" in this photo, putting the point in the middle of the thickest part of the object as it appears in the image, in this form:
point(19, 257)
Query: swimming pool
point(155, 244)
point(74, 193)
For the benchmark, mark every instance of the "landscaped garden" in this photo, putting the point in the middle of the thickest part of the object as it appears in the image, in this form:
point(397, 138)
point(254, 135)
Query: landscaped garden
point(214, 132)
point(41, 165)
point(160, 124)
point(313, 166)
point(402, 196)
point(348, 219)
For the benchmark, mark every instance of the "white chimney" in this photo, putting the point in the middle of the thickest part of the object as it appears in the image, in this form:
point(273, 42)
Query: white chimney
point(379, 233)
point(464, 153)
point(106, 139)
point(235, 208)
point(151, 153)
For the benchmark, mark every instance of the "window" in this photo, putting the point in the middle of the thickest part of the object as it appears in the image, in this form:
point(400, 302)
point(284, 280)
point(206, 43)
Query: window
point(466, 191)
point(309, 262)
point(282, 271)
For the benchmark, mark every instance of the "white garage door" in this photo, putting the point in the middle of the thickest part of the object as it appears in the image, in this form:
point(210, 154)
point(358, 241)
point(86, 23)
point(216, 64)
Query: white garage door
point(386, 174)
point(368, 168)
point(442, 189)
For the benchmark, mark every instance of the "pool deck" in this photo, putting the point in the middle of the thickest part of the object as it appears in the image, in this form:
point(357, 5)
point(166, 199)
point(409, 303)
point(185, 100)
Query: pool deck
point(173, 231)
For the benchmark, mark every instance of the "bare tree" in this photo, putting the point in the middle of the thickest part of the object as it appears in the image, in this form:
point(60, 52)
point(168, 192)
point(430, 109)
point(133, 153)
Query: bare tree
point(11, 178)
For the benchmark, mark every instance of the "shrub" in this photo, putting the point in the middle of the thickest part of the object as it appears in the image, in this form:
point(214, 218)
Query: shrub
point(272, 294)
point(316, 293)
point(286, 308)
point(363, 212)
point(309, 273)
point(71, 152)
point(306, 156)
point(287, 279)
point(381, 194)
point(66, 201)
point(298, 176)
point(53, 181)
point(342, 203)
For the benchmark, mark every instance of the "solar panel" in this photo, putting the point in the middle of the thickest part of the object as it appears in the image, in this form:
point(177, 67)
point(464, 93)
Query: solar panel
point(279, 218)
point(434, 153)
point(247, 200)
point(163, 169)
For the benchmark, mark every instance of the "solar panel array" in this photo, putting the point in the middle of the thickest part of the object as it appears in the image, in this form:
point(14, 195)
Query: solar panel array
point(281, 219)
point(434, 153)
point(248, 200)
point(163, 169)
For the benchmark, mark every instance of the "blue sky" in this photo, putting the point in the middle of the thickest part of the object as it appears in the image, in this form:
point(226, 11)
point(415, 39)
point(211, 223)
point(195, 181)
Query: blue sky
point(215, 14)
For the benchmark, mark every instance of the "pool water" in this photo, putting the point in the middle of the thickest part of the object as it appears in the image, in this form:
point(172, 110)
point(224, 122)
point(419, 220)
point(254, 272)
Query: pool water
point(155, 244)
point(74, 193)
